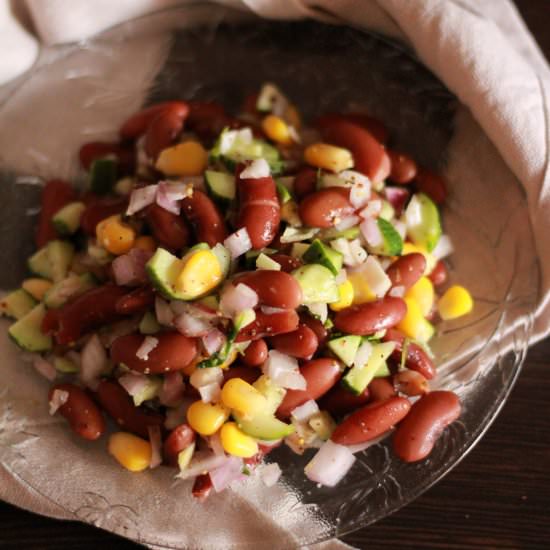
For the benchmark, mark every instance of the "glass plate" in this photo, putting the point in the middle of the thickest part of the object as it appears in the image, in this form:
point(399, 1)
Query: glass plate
point(81, 93)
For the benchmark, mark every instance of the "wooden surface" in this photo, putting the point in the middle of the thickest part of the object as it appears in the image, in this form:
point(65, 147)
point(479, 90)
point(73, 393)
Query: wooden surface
point(498, 497)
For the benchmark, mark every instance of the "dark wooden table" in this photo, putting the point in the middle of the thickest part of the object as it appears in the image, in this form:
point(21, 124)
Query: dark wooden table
point(498, 497)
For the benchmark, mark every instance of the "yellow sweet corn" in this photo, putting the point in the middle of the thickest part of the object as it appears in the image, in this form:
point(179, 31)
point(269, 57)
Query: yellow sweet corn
point(201, 273)
point(409, 248)
point(243, 397)
point(276, 129)
point(346, 295)
point(414, 325)
point(37, 287)
point(237, 443)
point(206, 418)
point(145, 242)
point(328, 157)
point(115, 236)
point(422, 292)
point(130, 451)
point(456, 302)
point(184, 159)
point(361, 290)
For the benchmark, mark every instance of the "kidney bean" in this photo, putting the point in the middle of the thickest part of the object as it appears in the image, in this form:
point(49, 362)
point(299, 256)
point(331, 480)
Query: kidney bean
point(205, 218)
point(369, 155)
point(248, 374)
point(381, 389)
point(165, 128)
point(287, 263)
point(202, 487)
point(83, 415)
point(371, 421)
point(120, 407)
point(301, 343)
point(417, 359)
point(305, 182)
point(403, 167)
point(55, 195)
point(339, 400)
point(178, 440)
point(397, 197)
point(98, 209)
point(168, 229)
point(269, 325)
point(432, 184)
point(174, 351)
point(415, 437)
point(316, 326)
point(259, 209)
point(406, 270)
point(98, 149)
point(320, 375)
point(138, 123)
point(371, 124)
point(439, 274)
point(368, 318)
point(326, 207)
point(207, 119)
point(255, 354)
point(136, 301)
point(274, 288)
point(410, 383)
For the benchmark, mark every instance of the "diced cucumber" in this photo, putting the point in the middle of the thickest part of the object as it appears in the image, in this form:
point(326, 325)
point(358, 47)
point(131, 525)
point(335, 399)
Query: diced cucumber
point(298, 249)
point(423, 223)
point(17, 304)
point(64, 365)
point(273, 393)
point(332, 233)
point(383, 371)
point(221, 185)
point(103, 175)
point(27, 333)
point(269, 95)
point(392, 243)
point(263, 426)
point(70, 287)
point(224, 258)
point(39, 263)
point(185, 456)
point(318, 284)
point(265, 262)
point(149, 324)
point(282, 191)
point(67, 220)
point(251, 256)
point(296, 234)
point(150, 390)
point(60, 254)
point(387, 212)
point(345, 347)
point(319, 253)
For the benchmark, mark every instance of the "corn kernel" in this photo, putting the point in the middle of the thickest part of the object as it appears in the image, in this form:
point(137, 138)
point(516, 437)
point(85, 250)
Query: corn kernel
point(456, 302)
point(409, 248)
point(346, 295)
point(145, 242)
point(37, 287)
point(292, 116)
point(422, 292)
point(130, 451)
point(243, 397)
point(115, 236)
point(361, 290)
point(184, 159)
point(237, 443)
point(414, 325)
point(276, 129)
point(201, 273)
point(328, 157)
point(206, 418)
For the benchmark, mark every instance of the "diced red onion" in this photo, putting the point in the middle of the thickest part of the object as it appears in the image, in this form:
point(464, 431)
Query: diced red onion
point(147, 346)
point(330, 464)
point(397, 291)
point(172, 389)
point(363, 354)
point(342, 245)
point(46, 369)
point(156, 446)
point(210, 393)
point(258, 168)
point(291, 380)
point(371, 232)
point(238, 243)
point(320, 310)
point(443, 248)
point(93, 362)
point(204, 377)
point(235, 299)
point(168, 198)
point(226, 473)
point(359, 194)
point(357, 251)
point(59, 398)
point(346, 223)
point(163, 312)
point(397, 197)
point(270, 474)
point(215, 443)
point(140, 198)
point(372, 209)
point(134, 383)
point(268, 310)
point(191, 326)
point(176, 190)
point(213, 340)
point(202, 461)
point(304, 412)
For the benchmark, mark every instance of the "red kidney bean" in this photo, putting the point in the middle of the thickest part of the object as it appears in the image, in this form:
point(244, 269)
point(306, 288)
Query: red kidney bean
point(205, 218)
point(98, 149)
point(136, 301)
point(371, 124)
point(369, 156)
point(287, 263)
point(177, 441)
point(259, 209)
point(269, 325)
point(207, 119)
point(274, 288)
point(82, 413)
point(138, 123)
point(397, 197)
point(439, 274)
point(410, 383)
point(305, 182)
point(301, 343)
point(55, 195)
point(368, 318)
point(120, 407)
point(255, 354)
point(403, 168)
point(417, 359)
point(98, 209)
point(320, 375)
point(95, 308)
point(248, 374)
point(165, 128)
point(381, 389)
point(174, 351)
point(371, 421)
point(202, 487)
point(316, 326)
point(406, 270)
point(326, 207)
point(415, 437)
point(168, 229)
point(339, 400)
point(432, 184)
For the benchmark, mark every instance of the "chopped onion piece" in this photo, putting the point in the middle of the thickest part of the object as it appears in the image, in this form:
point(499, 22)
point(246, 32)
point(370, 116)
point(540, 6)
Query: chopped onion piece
point(270, 474)
point(443, 248)
point(133, 382)
point(147, 346)
point(229, 138)
point(235, 299)
point(346, 223)
point(342, 245)
point(165, 200)
point(330, 464)
point(372, 209)
point(358, 253)
point(59, 398)
point(224, 475)
point(211, 393)
point(172, 389)
point(156, 446)
point(290, 380)
point(129, 269)
point(319, 310)
point(283, 371)
point(204, 377)
point(140, 198)
point(375, 276)
point(191, 326)
point(363, 354)
point(213, 340)
point(257, 169)
point(371, 232)
point(238, 243)
point(163, 312)
point(215, 443)
point(401, 228)
point(176, 190)
point(203, 461)
point(397, 291)
point(297, 234)
point(46, 369)
point(413, 213)
point(304, 412)
point(93, 362)
point(359, 195)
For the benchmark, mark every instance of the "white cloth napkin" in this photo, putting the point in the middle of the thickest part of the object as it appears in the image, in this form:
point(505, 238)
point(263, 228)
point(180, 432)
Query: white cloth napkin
point(480, 50)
